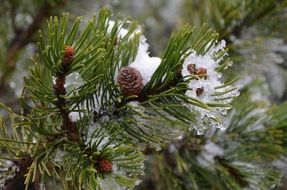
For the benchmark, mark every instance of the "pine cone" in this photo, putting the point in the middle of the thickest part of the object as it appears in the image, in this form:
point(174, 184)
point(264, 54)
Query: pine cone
point(130, 81)
point(105, 166)
point(68, 55)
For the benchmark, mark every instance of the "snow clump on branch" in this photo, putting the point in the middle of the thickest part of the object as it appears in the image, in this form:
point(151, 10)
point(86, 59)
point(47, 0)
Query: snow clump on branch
point(205, 84)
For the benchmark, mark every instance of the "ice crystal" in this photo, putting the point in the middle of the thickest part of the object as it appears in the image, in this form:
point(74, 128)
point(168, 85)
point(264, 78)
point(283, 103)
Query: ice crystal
point(73, 81)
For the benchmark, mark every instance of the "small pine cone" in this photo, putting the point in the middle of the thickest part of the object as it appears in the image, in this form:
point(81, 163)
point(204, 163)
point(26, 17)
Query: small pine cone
point(191, 68)
point(130, 81)
point(199, 91)
point(68, 55)
point(105, 166)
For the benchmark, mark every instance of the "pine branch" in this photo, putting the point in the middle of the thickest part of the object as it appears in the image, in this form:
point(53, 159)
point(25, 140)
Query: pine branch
point(110, 129)
point(250, 142)
point(90, 155)
point(67, 125)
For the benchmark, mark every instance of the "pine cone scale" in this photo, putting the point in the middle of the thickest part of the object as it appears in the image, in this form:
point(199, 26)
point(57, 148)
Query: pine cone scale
point(130, 81)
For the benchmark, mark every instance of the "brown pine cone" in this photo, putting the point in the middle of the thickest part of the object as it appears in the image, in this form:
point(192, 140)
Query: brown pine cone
point(130, 81)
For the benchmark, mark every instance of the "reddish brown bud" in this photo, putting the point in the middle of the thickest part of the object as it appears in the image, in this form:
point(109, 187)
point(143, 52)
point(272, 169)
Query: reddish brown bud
point(68, 55)
point(105, 166)
point(130, 81)
point(199, 91)
point(201, 71)
point(191, 68)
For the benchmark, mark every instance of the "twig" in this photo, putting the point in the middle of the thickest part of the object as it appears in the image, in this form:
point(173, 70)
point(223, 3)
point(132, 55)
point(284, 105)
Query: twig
point(13, 18)
point(21, 39)
point(67, 125)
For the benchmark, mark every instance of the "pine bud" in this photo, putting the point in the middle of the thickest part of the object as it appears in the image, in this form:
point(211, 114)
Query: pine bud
point(199, 91)
point(201, 71)
point(191, 68)
point(105, 166)
point(130, 81)
point(68, 55)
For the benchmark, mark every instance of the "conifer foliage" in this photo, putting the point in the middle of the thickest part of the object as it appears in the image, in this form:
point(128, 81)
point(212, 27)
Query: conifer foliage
point(97, 101)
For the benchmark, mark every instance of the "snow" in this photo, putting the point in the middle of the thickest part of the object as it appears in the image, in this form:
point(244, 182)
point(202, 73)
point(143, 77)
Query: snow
point(73, 82)
point(219, 47)
point(74, 116)
point(210, 151)
point(145, 64)
point(212, 117)
point(205, 61)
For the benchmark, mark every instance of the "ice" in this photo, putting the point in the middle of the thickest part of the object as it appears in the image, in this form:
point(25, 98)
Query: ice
point(110, 183)
point(73, 81)
point(219, 47)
